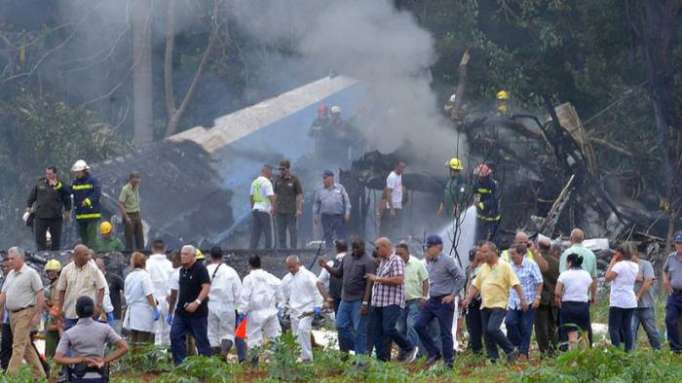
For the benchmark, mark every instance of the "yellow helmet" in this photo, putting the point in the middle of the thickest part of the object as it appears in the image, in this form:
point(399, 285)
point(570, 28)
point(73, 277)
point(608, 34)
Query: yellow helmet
point(200, 256)
point(105, 227)
point(53, 265)
point(454, 164)
point(503, 95)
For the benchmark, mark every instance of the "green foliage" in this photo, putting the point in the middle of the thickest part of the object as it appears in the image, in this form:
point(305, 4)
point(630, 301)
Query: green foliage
point(24, 375)
point(200, 369)
point(283, 365)
point(607, 365)
point(146, 358)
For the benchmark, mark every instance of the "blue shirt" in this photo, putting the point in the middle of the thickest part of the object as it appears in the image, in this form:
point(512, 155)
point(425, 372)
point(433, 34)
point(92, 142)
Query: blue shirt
point(530, 277)
point(333, 200)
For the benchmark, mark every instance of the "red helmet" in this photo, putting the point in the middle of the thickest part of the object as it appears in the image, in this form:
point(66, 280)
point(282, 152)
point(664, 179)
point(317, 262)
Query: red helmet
point(322, 110)
point(484, 170)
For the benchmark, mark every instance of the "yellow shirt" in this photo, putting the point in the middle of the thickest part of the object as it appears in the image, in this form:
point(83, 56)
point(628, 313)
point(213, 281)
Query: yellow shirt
point(78, 281)
point(494, 284)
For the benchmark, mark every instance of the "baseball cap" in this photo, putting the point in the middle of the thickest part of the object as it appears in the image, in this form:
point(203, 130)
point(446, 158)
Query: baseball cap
point(678, 237)
point(433, 240)
point(328, 173)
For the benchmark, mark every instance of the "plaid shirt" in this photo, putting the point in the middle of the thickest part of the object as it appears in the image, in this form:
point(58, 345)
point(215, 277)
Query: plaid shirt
point(387, 295)
point(530, 277)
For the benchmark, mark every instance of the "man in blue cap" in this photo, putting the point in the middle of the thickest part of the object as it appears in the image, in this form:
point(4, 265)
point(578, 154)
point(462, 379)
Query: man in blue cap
point(331, 207)
point(672, 282)
point(446, 280)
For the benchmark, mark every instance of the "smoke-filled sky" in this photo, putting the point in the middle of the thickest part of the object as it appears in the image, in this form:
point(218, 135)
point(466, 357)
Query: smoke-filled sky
point(368, 40)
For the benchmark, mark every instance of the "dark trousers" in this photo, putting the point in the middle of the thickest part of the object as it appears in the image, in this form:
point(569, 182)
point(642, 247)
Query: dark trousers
point(383, 323)
point(673, 313)
point(444, 314)
point(573, 316)
point(474, 324)
point(134, 235)
point(333, 227)
point(620, 327)
point(40, 227)
point(520, 328)
point(6, 346)
point(486, 230)
point(197, 327)
point(87, 229)
point(546, 318)
point(261, 225)
point(492, 334)
point(392, 225)
point(287, 223)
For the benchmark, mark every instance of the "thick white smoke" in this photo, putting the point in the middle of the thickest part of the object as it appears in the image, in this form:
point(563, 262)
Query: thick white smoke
point(370, 41)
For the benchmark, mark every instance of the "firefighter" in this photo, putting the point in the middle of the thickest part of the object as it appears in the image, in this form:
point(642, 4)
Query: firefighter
point(487, 200)
point(86, 195)
point(502, 106)
point(456, 190)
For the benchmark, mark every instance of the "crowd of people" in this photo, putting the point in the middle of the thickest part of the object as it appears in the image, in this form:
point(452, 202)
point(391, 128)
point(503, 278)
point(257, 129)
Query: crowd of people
point(380, 298)
point(385, 297)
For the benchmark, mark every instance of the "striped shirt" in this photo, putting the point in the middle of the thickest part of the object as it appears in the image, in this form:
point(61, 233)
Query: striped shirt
point(387, 295)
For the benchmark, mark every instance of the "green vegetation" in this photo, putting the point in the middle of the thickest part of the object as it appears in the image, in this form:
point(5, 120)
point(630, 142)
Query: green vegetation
point(600, 364)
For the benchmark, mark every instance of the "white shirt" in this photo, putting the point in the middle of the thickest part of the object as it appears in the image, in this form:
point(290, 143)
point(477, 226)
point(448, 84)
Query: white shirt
point(324, 274)
point(225, 288)
point(395, 183)
point(261, 188)
point(139, 314)
point(577, 284)
point(623, 287)
point(300, 291)
point(260, 292)
point(160, 270)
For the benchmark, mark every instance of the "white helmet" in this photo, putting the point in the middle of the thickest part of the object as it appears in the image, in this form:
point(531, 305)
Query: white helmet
point(336, 109)
point(453, 98)
point(79, 166)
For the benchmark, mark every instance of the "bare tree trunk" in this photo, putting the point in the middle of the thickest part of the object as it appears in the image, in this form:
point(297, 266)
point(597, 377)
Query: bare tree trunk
point(142, 72)
point(461, 83)
point(175, 114)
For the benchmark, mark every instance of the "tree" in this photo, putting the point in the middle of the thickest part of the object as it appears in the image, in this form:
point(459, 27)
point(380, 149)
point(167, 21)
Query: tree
point(174, 112)
point(141, 18)
point(655, 24)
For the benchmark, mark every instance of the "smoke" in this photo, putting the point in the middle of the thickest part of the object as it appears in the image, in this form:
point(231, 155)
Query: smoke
point(371, 41)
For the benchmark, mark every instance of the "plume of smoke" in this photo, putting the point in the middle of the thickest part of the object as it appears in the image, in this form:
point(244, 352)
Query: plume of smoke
point(372, 42)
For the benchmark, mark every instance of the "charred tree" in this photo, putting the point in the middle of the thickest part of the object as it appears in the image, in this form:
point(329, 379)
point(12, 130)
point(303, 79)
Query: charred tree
point(141, 13)
point(655, 24)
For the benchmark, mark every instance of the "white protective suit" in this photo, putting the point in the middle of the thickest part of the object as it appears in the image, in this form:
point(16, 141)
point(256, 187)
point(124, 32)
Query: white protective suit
point(302, 297)
point(160, 270)
point(222, 300)
point(258, 300)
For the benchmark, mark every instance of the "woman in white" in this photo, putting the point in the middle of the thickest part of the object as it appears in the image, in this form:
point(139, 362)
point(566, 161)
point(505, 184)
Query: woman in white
point(622, 273)
point(572, 297)
point(142, 311)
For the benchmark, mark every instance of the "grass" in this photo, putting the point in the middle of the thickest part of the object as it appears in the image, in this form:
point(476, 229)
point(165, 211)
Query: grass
point(279, 364)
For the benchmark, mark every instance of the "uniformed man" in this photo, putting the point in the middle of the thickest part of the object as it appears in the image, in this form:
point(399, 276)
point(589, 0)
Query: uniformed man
point(50, 202)
point(487, 201)
point(456, 194)
point(107, 243)
point(86, 194)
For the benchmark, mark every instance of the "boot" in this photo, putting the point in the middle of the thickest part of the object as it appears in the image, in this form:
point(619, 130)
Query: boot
point(215, 351)
point(225, 346)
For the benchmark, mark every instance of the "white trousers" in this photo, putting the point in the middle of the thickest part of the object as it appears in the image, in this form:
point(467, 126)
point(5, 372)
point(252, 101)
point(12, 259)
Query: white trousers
point(161, 327)
point(258, 327)
point(220, 325)
point(301, 328)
